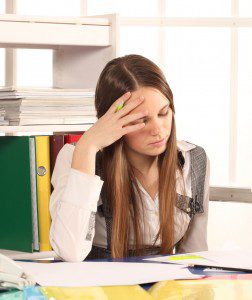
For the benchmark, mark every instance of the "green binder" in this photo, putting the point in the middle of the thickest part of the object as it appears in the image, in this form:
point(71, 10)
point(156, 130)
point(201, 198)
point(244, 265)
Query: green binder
point(15, 194)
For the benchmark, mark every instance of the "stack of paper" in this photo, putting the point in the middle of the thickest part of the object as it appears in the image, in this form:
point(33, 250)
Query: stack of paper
point(2, 116)
point(233, 260)
point(103, 273)
point(48, 106)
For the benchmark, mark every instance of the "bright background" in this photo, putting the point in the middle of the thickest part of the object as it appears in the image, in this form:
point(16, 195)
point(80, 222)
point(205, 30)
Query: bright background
point(202, 64)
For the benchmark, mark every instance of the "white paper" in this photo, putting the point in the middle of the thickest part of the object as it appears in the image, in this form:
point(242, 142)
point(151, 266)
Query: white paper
point(240, 259)
point(66, 274)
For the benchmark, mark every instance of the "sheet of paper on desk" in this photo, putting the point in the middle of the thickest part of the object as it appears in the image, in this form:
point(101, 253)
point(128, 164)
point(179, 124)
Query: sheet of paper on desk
point(233, 259)
point(103, 273)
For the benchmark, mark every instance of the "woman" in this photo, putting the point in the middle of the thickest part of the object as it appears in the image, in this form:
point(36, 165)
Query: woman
point(129, 187)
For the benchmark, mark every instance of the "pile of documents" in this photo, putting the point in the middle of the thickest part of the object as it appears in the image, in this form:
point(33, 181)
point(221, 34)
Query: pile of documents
point(238, 260)
point(2, 116)
point(38, 106)
point(92, 273)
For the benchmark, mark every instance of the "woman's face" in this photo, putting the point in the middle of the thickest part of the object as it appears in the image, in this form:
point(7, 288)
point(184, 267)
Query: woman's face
point(158, 123)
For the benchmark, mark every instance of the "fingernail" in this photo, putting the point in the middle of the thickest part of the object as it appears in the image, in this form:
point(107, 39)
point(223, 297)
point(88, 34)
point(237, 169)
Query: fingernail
point(141, 97)
point(127, 94)
point(120, 106)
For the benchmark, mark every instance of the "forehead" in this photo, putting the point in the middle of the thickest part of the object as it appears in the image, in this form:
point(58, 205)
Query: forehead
point(154, 100)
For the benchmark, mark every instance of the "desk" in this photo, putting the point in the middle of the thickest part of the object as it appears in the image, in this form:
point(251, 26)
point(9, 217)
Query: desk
point(178, 285)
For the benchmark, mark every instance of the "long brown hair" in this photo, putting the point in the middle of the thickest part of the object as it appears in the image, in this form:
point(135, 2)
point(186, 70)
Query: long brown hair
point(122, 74)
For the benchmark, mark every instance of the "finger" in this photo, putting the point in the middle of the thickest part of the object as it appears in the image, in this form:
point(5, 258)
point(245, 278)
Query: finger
point(130, 118)
point(119, 101)
point(130, 106)
point(132, 128)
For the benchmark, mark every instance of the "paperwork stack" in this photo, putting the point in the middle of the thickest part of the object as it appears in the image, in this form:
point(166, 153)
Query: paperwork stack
point(38, 106)
point(2, 117)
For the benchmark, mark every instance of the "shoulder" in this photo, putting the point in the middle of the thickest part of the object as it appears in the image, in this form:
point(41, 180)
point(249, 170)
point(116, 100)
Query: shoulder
point(188, 148)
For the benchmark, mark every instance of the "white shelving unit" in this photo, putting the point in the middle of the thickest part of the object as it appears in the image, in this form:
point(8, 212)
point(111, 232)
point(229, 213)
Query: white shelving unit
point(39, 129)
point(81, 49)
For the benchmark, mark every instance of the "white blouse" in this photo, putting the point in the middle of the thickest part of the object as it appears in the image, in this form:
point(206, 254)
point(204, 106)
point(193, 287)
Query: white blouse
point(76, 195)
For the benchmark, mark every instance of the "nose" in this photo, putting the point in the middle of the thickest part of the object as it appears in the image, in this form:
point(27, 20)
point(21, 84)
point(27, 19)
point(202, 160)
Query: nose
point(155, 128)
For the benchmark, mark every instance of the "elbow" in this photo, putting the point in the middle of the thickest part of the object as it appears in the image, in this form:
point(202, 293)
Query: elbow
point(70, 252)
point(73, 256)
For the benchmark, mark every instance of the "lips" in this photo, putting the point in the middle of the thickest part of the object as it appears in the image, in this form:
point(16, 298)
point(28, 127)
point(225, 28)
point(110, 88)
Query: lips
point(157, 142)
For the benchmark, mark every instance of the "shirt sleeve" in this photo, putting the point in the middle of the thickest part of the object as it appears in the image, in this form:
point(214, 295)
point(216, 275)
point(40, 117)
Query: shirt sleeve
point(73, 206)
point(196, 236)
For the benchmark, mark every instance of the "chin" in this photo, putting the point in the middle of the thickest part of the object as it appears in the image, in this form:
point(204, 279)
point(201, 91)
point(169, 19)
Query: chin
point(154, 151)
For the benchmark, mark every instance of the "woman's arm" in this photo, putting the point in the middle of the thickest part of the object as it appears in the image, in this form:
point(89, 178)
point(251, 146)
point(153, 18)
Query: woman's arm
point(73, 205)
point(196, 236)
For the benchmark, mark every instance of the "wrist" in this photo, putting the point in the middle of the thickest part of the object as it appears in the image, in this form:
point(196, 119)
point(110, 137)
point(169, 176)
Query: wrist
point(84, 159)
point(84, 145)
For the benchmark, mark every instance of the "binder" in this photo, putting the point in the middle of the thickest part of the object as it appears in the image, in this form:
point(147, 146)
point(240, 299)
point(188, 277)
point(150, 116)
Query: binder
point(15, 194)
point(56, 143)
point(44, 190)
point(34, 196)
point(73, 138)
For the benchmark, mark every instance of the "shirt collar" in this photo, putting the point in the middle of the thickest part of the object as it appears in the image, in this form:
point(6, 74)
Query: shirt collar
point(185, 146)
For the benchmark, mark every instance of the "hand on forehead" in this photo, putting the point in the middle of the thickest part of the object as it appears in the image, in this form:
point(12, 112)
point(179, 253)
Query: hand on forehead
point(154, 100)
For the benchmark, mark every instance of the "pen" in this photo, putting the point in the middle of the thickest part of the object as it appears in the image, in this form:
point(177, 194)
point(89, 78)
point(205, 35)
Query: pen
point(221, 268)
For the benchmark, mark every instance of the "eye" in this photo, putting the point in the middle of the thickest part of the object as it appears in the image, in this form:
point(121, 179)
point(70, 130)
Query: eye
point(144, 120)
point(164, 114)
point(139, 121)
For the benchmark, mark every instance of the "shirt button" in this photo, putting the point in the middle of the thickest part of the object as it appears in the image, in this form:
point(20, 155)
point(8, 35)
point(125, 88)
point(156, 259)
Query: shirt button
point(188, 209)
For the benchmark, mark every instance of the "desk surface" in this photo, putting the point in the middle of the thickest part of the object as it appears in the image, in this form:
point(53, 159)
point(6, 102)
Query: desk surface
point(32, 292)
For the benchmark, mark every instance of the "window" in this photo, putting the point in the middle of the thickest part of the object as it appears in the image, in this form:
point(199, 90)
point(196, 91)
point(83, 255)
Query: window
point(2, 7)
point(135, 40)
point(245, 8)
point(244, 109)
point(34, 67)
point(49, 8)
point(198, 8)
point(2, 67)
point(195, 45)
point(197, 68)
point(130, 8)
point(2, 51)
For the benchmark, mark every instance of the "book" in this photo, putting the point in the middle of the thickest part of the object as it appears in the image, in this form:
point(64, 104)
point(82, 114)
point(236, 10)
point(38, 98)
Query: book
point(44, 190)
point(16, 232)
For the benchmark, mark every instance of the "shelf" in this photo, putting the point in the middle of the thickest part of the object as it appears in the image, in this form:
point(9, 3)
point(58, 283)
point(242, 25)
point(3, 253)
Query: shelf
point(25, 255)
point(50, 32)
point(45, 129)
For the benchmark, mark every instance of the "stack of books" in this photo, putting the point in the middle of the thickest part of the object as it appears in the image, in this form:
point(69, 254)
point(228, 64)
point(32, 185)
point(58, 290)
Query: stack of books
point(38, 106)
